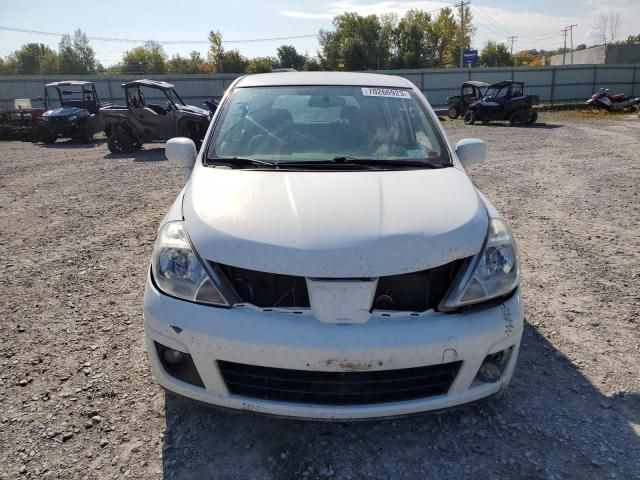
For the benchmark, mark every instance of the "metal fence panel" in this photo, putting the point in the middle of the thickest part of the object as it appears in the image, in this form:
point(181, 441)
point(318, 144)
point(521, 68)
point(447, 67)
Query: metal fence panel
point(551, 83)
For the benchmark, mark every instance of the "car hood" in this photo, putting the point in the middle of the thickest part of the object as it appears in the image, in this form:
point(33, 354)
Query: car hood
point(64, 112)
point(193, 110)
point(334, 224)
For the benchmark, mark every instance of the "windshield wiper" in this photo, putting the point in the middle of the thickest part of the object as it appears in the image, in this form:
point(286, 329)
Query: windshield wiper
point(392, 162)
point(242, 162)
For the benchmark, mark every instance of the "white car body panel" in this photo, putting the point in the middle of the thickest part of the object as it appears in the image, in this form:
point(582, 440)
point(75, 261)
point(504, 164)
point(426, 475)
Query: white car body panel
point(331, 227)
point(334, 224)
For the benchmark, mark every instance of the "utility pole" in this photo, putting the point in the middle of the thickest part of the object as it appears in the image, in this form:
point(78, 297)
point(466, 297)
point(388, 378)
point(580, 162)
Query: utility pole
point(570, 27)
point(462, 5)
point(564, 50)
point(513, 39)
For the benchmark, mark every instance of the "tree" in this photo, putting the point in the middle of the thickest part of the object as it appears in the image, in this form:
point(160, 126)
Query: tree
point(32, 59)
point(413, 36)
point(495, 55)
point(150, 58)
point(633, 39)
point(216, 51)
point(311, 64)
point(259, 65)
point(608, 26)
point(288, 57)
point(194, 63)
point(445, 50)
point(75, 55)
point(233, 62)
point(355, 43)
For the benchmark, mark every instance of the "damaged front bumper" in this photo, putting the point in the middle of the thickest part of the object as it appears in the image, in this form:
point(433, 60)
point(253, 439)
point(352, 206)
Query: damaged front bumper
point(251, 359)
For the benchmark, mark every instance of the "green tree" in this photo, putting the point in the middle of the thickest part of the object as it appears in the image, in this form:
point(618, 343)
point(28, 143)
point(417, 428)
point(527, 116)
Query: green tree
point(288, 57)
point(75, 55)
point(216, 51)
point(259, 65)
point(194, 63)
point(233, 61)
point(311, 64)
point(150, 58)
point(356, 43)
point(445, 49)
point(32, 59)
point(495, 55)
point(413, 33)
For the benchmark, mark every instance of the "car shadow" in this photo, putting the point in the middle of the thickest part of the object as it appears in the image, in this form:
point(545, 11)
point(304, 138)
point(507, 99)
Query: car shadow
point(544, 126)
point(547, 424)
point(150, 155)
point(71, 143)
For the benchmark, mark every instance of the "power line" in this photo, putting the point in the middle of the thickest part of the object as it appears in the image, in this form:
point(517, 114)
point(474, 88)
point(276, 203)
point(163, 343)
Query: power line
point(163, 42)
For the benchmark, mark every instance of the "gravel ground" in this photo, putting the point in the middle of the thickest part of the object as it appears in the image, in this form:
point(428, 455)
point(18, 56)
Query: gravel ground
point(77, 400)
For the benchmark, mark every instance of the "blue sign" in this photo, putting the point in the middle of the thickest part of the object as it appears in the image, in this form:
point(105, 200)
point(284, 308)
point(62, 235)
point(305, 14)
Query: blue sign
point(470, 56)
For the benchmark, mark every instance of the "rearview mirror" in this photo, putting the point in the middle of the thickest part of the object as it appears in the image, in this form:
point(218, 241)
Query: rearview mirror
point(471, 151)
point(181, 151)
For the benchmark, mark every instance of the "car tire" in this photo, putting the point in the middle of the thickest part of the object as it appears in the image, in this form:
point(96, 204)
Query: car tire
point(453, 113)
point(533, 117)
point(470, 117)
point(44, 135)
point(517, 119)
point(121, 141)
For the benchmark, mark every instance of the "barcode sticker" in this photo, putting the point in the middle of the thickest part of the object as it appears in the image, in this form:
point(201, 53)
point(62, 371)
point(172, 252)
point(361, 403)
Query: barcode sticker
point(384, 92)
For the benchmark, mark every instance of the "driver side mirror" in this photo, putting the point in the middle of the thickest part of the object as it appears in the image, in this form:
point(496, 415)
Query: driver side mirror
point(181, 151)
point(471, 151)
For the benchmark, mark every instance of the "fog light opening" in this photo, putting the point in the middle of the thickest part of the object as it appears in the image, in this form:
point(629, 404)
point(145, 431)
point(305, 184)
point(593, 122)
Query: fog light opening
point(493, 366)
point(172, 356)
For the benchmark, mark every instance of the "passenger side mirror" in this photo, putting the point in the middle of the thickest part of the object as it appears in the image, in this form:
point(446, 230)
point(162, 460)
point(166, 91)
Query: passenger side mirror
point(471, 151)
point(181, 151)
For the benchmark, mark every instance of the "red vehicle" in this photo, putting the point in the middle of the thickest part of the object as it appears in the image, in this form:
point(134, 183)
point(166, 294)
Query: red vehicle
point(613, 103)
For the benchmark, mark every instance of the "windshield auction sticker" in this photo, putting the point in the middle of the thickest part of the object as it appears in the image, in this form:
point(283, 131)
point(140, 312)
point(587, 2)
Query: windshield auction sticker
point(384, 92)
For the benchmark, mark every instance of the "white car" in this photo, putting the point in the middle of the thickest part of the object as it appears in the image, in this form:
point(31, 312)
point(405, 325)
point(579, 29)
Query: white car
point(329, 258)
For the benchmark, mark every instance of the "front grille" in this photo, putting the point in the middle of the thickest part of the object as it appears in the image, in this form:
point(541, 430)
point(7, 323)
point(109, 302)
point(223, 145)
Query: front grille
point(416, 291)
point(337, 388)
point(267, 290)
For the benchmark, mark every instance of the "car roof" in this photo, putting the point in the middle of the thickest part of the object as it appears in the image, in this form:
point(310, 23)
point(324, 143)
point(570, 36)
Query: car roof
point(505, 82)
point(68, 83)
point(323, 78)
point(476, 83)
point(149, 83)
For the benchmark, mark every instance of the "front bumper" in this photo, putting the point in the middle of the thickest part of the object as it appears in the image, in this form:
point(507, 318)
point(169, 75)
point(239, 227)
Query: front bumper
point(251, 336)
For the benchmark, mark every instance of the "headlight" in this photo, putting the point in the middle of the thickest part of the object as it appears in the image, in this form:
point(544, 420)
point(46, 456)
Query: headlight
point(73, 118)
point(177, 270)
point(492, 273)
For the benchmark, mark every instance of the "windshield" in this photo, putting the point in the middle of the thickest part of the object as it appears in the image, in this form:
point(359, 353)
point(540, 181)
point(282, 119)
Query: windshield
point(72, 96)
point(322, 123)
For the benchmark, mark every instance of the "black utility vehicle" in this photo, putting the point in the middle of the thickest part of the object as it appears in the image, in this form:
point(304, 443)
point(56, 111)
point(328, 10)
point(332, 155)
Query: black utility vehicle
point(71, 111)
point(470, 92)
point(503, 101)
point(154, 111)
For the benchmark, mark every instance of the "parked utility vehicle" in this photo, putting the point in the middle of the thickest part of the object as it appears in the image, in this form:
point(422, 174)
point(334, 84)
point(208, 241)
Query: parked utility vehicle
point(71, 111)
point(154, 111)
point(504, 101)
point(470, 92)
point(330, 258)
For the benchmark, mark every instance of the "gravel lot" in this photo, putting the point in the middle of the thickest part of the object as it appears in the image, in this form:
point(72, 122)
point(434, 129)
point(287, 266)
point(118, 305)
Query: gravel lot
point(77, 400)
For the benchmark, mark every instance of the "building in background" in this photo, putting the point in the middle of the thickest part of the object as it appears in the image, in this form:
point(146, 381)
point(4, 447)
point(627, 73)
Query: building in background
point(623, 53)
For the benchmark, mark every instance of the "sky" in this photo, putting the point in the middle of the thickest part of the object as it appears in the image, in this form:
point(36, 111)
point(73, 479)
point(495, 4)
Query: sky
point(537, 23)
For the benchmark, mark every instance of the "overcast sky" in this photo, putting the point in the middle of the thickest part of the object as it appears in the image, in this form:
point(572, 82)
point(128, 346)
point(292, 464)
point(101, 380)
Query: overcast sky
point(536, 22)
